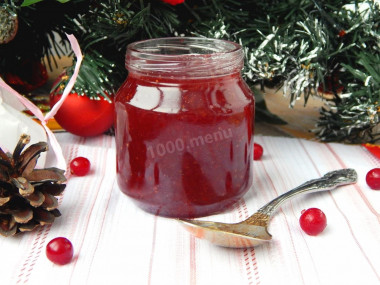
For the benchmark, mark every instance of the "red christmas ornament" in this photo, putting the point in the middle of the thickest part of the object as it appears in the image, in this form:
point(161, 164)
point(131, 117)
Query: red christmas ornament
point(373, 178)
point(83, 116)
point(60, 251)
point(374, 149)
point(174, 2)
point(30, 75)
point(313, 221)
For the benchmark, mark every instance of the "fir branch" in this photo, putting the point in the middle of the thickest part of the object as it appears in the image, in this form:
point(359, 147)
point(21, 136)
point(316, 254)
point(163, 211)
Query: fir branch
point(89, 83)
point(289, 43)
point(354, 118)
point(105, 31)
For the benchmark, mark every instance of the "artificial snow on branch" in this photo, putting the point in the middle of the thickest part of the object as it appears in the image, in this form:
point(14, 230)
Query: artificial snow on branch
point(308, 47)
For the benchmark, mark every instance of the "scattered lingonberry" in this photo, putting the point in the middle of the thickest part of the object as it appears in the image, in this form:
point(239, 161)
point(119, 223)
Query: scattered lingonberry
point(373, 178)
point(60, 251)
point(80, 166)
point(257, 151)
point(313, 221)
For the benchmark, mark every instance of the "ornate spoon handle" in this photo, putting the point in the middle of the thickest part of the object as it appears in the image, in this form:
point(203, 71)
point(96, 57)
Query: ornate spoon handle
point(329, 181)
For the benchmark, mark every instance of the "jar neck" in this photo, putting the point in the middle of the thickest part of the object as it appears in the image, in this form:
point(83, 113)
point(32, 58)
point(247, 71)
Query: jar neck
point(184, 57)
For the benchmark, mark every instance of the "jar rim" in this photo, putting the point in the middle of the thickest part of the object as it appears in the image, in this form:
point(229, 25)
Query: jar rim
point(207, 44)
point(186, 56)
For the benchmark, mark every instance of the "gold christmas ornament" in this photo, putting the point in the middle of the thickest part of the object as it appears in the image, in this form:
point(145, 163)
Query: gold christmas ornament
point(8, 24)
point(27, 195)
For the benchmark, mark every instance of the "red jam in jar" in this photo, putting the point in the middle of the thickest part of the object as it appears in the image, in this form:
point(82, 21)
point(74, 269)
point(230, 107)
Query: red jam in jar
point(184, 127)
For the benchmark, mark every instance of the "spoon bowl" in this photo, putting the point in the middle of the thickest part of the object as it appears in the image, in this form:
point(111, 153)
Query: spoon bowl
point(239, 235)
point(254, 230)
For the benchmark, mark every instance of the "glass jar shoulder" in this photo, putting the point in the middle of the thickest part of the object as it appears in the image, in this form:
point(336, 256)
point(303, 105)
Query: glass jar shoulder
point(225, 94)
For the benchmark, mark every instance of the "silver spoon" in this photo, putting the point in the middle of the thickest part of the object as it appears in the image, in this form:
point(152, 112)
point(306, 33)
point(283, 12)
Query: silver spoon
point(254, 230)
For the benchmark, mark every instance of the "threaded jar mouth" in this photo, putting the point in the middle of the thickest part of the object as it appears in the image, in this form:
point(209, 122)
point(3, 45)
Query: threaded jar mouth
point(184, 57)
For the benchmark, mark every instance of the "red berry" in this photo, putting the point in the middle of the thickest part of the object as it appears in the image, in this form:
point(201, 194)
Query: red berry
point(373, 178)
point(257, 151)
point(60, 251)
point(80, 166)
point(313, 221)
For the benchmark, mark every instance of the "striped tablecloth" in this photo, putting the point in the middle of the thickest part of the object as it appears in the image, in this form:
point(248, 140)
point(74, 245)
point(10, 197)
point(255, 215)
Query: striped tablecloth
point(117, 243)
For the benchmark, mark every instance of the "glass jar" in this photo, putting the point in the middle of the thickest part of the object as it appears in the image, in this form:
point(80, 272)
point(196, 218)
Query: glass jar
point(184, 126)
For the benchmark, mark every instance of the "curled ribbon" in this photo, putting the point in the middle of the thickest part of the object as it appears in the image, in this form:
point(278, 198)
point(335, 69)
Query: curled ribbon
point(61, 162)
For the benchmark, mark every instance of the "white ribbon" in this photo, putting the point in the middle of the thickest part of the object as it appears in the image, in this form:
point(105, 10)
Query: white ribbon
point(61, 162)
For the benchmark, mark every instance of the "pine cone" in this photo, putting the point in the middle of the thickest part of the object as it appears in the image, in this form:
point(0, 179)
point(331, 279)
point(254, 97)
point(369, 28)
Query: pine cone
point(27, 195)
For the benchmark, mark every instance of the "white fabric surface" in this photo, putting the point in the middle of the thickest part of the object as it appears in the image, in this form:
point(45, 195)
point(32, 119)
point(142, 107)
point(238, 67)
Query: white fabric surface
point(117, 243)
